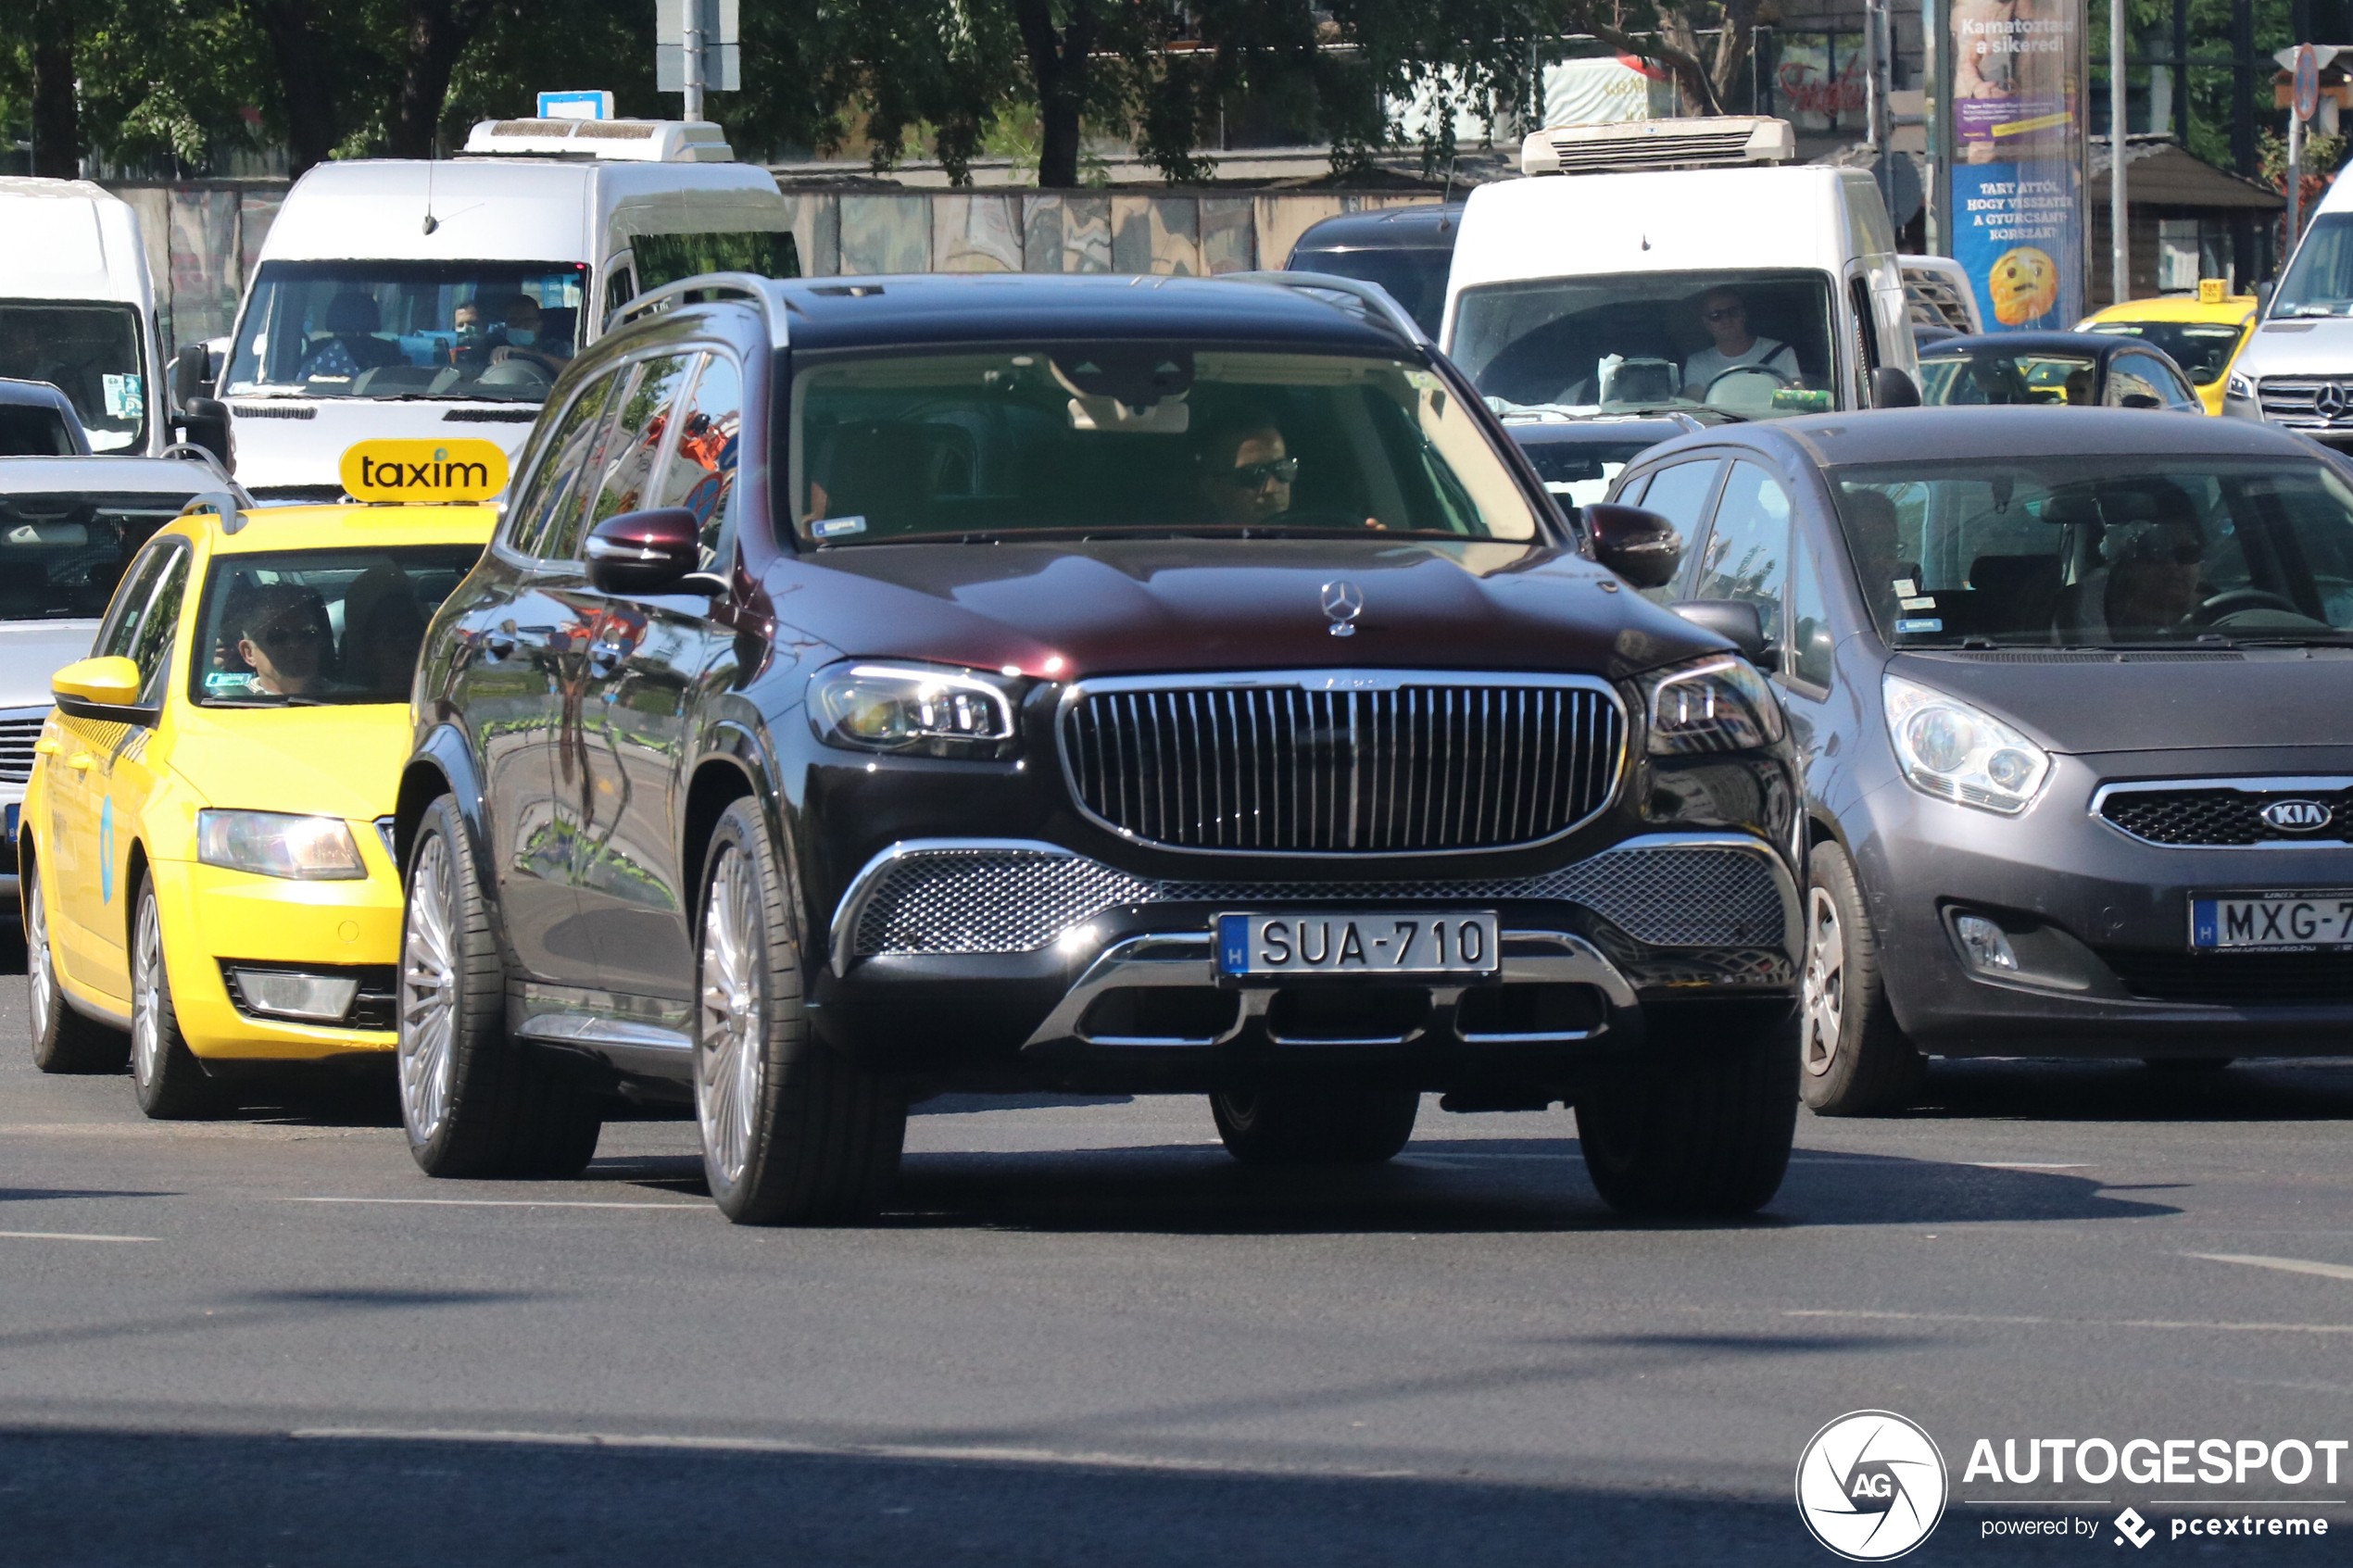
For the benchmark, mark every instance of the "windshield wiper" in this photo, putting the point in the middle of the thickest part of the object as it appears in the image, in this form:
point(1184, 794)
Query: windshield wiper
point(287, 700)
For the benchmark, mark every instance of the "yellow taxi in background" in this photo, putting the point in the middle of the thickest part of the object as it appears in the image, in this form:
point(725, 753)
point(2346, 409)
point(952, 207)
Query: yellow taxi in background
point(206, 872)
point(2203, 332)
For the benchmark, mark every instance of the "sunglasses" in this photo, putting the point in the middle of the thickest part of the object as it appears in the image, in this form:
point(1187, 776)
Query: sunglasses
point(1254, 476)
point(287, 637)
point(1729, 313)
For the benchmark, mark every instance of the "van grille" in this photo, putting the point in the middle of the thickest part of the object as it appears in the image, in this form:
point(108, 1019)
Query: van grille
point(2307, 402)
point(1322, 765)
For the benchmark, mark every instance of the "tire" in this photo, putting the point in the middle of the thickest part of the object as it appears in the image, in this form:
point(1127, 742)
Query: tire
point(1856, 1062)
point(792, 1133)
point(1698, 1133)
point(473, 1103)
point(1315, 1127)
point(63, 1041)
point(171, 1083)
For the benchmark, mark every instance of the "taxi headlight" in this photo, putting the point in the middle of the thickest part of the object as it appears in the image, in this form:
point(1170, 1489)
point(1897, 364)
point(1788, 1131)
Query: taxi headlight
point(914, 708)
point(1718, 702)
point(2238, 386)
point(1961, 752)
point(279, 844)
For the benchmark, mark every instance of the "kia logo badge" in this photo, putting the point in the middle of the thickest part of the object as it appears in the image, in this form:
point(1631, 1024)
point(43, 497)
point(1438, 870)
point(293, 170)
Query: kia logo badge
point(2297, 816)
point(1343, 602)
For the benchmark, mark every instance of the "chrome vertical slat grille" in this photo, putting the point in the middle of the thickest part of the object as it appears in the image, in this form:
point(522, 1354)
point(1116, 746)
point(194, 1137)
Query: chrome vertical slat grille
point(1343, 762)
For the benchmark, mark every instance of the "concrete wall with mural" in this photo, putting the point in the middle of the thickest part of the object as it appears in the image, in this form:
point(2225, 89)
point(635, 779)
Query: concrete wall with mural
point(202, 238)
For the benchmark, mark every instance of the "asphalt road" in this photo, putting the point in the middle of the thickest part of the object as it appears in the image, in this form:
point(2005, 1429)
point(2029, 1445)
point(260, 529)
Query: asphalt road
point(1082, 1336)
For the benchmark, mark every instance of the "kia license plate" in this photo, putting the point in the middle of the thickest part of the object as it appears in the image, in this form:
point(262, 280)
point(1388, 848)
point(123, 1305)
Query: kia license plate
point(1412, 943)
point(2297, 922)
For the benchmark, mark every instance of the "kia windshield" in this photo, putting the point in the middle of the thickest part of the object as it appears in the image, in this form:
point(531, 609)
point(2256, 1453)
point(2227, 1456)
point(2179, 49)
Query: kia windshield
point(88, 352)
point(62, 552)
point(2101, 552)
point(1142, 438)
point(1754, 344)
point(301, 628)
point(501, 332)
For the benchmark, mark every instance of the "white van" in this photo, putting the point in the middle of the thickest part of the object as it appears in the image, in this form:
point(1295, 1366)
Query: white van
point(1754, 290)
point(77, 309)
point(425, 299)
point(2295, 368)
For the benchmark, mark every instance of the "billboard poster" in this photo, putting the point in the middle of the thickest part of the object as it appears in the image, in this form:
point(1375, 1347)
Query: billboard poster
point(2017, 134)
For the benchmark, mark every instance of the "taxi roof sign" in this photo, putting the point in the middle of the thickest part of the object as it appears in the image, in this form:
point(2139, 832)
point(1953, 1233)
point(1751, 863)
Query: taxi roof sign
point(418, 472)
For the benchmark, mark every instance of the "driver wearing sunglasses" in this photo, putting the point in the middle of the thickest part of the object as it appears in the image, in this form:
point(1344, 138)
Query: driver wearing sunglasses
point(1725, 315)
point(283, 634)
point(1247, 474)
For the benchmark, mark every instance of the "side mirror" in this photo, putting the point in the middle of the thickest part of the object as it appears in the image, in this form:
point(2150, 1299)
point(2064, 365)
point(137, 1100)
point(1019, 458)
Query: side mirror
point(651, 552)
point(1641, 547)
point(1890, 388)
point(1735, 620)
point(204, 422)
point(97, 688)
point(191, 373)
point(2263, 291)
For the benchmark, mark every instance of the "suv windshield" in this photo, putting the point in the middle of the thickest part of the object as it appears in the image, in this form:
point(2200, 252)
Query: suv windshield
point(2320, 278)
point(88, 352)
point(319, 626)
point(2101, 552)
point(1142, 437)
point(61, 554)
point(500, 330)
point(1752, 344)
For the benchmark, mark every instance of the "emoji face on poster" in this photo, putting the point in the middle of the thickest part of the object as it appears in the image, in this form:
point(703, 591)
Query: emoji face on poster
point(2024, 283)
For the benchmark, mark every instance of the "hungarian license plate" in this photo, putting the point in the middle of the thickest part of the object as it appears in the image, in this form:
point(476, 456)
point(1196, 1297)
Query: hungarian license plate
point(13, 809)
point(2305, 919)
point(1341, 943)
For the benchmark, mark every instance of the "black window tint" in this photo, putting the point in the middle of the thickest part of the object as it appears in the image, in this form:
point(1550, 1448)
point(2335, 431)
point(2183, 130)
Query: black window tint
point(665, 258)
point(1811, 639)
point(119, 638)
point(700, 475)
point(630, 447)
point(1747, 557)
point(151, 645)
point(553, 495)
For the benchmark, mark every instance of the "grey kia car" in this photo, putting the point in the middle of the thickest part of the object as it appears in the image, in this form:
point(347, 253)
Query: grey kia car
point(2069, 688)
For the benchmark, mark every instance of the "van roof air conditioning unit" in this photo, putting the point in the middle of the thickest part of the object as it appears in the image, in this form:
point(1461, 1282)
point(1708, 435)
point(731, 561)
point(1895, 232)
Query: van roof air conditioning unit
point(1658, 144)
point(624, 140)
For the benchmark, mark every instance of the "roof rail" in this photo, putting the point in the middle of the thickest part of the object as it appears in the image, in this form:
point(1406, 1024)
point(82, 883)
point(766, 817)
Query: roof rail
point(220, 502)
point(749, 287)
point(1375, 303)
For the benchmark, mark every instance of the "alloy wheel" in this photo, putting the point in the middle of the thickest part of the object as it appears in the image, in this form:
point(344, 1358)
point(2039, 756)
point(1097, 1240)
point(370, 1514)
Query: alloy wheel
point(147, 995)
point(428, 992)
point(729, 1063)
point(37, 960)
point(1825, 1004)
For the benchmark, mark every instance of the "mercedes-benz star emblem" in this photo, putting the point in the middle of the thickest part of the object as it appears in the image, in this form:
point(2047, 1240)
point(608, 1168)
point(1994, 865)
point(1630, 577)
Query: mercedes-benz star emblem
point(1343, 602)
point(2329, 402)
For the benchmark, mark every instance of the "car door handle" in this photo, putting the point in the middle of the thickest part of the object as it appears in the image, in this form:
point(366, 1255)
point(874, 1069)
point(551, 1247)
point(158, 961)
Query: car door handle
point(80, 762)
point(605, 657)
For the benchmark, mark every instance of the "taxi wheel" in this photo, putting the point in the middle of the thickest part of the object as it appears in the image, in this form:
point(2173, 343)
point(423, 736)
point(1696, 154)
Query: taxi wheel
point(63, 1041)
point(1315, 1127)
point(1857, 1061)
point(473, 1103)
point(172, 1083)
point(793, 1133)
point(1699, 1132)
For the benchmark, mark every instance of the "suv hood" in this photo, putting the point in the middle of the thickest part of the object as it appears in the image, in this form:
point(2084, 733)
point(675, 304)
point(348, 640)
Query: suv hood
point(1109, 607)
point(2090, 702)
point(2314, 347)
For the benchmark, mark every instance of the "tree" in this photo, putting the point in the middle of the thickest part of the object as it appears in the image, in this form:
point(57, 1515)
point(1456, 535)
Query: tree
point(57, 120)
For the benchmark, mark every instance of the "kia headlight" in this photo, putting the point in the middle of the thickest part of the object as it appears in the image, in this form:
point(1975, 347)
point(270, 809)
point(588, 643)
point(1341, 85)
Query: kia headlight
point(913, 708)
point(278, 844)
point(2239, 387)
point(1718, 702)
point(1961, 752)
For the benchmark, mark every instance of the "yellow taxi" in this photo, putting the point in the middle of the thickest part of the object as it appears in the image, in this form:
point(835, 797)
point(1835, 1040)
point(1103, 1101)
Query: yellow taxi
point(205, 873)
point(2203, 332)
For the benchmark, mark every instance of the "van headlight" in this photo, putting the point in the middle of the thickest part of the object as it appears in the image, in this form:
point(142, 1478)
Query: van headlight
point(1959, 752)
point(277, 843)
point(2239, 387)
point(1718, 702)
point(913, 708)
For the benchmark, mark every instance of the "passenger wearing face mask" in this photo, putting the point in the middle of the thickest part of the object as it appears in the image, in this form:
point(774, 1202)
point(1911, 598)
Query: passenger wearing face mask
point(523, 321)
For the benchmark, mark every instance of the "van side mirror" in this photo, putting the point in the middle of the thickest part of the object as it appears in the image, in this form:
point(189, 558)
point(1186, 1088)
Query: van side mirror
point(1890, 388)
point(204, 421)
point(99, 688)
point(1735, 620)
point(649, 552)
point(2263, 291)
point(1641, 547)
point(191, 373)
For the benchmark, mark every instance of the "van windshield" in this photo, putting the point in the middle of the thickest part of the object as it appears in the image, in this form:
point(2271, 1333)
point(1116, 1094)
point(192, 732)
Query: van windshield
point(2101, 552)
point(61, 553)
point(88, 352)
point(2319, 279)
point(1751, 344)
point(496, 331)
point(303, 627)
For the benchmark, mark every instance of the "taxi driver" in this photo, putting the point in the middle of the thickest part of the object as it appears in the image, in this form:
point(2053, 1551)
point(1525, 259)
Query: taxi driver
point(283, 634)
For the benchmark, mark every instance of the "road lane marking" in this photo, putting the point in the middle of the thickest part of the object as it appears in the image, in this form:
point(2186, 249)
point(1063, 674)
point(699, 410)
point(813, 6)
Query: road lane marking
point(2069, 1322)
point(69, 1236)
point(2285, 1265)
point(509, 1203)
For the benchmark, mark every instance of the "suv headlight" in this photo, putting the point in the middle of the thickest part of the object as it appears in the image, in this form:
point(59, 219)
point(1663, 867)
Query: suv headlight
point(913, 708)
point(1959, 752)
point(2240, 387)
point(276, 844)
point(1718, 702)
